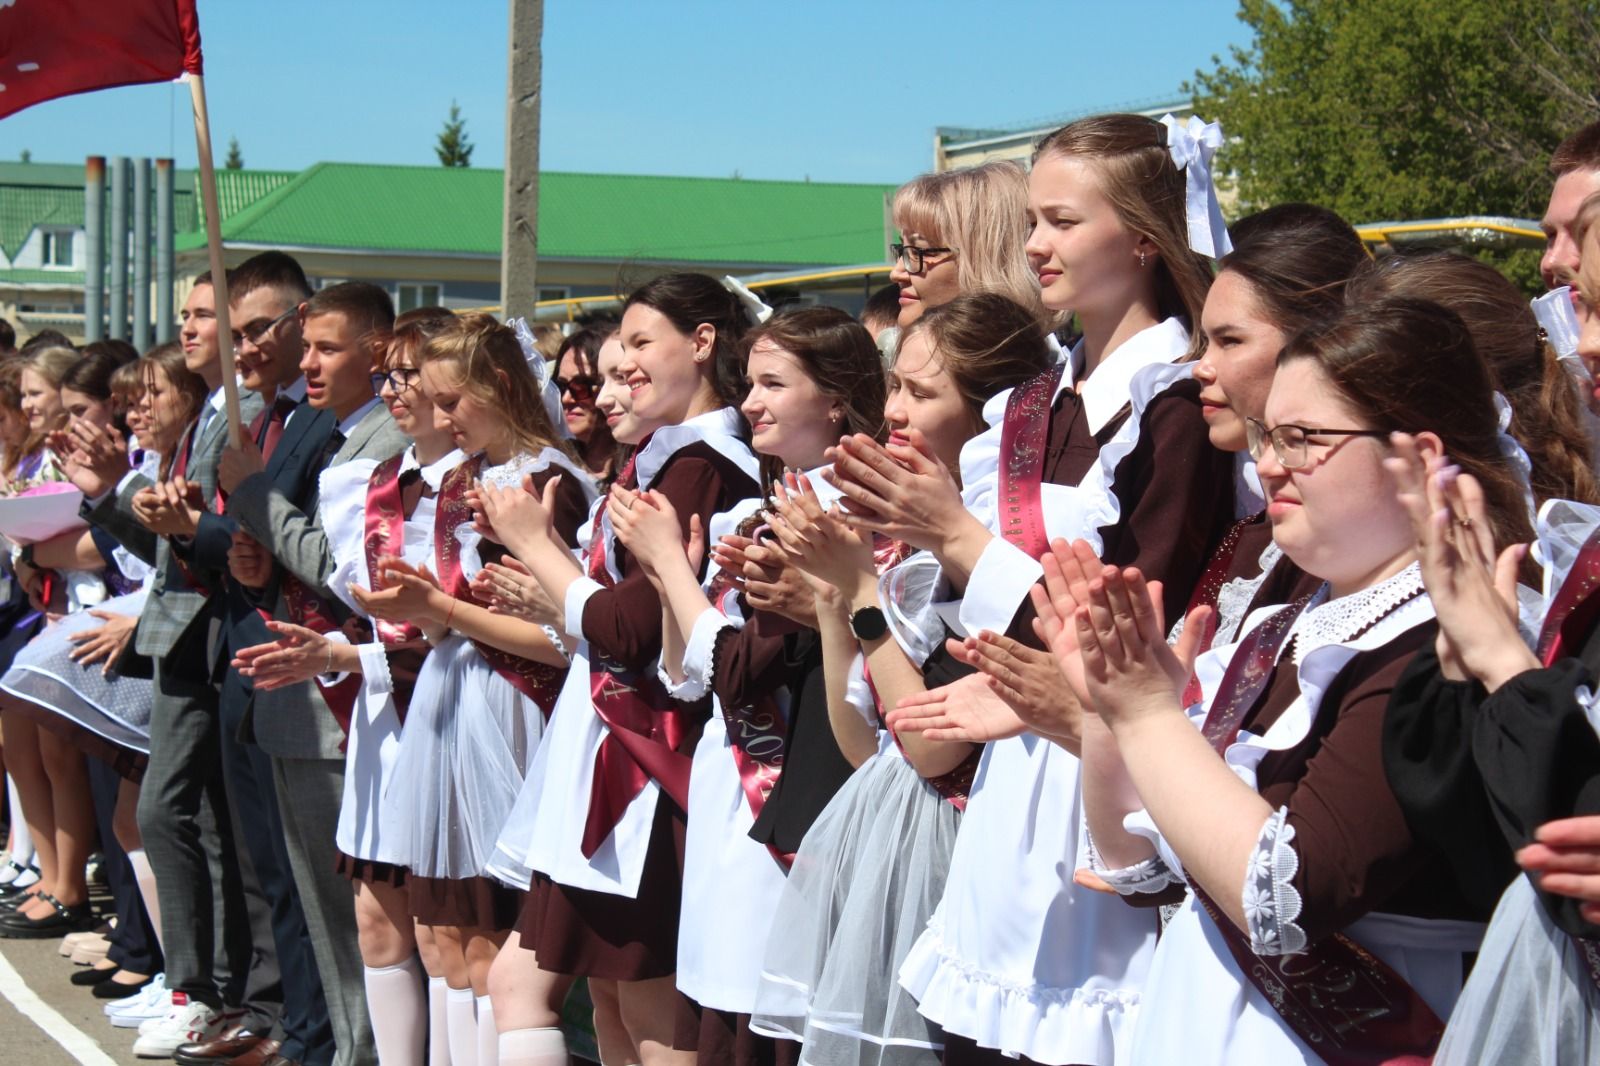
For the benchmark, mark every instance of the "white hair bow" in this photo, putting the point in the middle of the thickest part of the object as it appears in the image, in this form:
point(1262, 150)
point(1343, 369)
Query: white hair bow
point(541, 373)
point(1192, 145)
point(754, 306)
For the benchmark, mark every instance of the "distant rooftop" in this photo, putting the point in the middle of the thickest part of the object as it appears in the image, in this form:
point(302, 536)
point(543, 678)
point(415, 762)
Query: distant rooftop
point(1154, 106)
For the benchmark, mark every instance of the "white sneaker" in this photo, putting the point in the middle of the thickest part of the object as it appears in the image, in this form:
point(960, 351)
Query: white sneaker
point(149, 1003)
point(187, 1022)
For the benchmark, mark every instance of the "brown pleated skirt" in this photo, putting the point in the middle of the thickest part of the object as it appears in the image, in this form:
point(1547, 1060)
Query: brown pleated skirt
point(370, 871)
point(467, 902)
point(597, 934)
point(724, 1038)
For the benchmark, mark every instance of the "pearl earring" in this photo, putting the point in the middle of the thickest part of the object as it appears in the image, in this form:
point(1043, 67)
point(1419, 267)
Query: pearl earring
point(1141, 259)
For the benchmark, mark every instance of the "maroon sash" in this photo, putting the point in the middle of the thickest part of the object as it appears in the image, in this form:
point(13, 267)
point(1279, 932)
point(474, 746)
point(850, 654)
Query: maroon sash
point(1573, 611)
point(1348, 1005)
point(307, 609)
point(540, 682)
point(385, 520)
point(757, 738)
point(1024, 435)
point(645, 727)
point(1207, 591)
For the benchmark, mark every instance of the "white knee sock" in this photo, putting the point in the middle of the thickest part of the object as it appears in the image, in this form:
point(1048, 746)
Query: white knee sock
point(146, 878)
point(438, 1023)
point(399, 1011)
point(460, 1006)
point(533, 1047)
point(488, 1035)
point(22, 854)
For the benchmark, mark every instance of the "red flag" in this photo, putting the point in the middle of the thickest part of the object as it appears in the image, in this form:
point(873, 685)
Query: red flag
point(51, 48)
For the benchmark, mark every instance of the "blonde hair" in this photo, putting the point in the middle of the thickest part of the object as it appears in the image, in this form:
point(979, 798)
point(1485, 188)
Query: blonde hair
point(493, 371)
point(979, 211)
point(52, 364)
point(1146, 189)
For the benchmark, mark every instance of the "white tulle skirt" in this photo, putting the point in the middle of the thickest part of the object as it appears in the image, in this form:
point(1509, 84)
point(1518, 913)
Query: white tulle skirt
point(865, 881)
point(1529, 999)
point(114, 708)
point(467, 742)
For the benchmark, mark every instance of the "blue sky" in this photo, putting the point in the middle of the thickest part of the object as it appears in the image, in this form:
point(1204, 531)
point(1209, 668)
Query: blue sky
point(837, 90)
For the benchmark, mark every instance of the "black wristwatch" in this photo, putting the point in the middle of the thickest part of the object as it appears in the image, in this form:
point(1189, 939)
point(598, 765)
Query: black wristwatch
point(868, 623)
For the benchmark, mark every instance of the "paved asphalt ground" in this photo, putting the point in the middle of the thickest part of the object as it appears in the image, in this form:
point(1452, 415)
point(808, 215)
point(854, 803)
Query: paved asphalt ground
point(30, 1036)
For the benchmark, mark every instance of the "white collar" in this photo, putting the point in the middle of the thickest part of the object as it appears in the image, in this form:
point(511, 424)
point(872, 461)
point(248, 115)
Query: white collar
point(1344, 621)
point(348, 425)
point(432, 474)
point(721, 429)
point(1106, 390)
point(295, 390)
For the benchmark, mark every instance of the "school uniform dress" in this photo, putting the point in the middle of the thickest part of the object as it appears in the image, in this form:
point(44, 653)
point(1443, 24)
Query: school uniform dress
point(1335, 858)
point(865, 882)
point(595, 822)
point(1017, 959)
point(469, 736)
point(366, 852)
point(1477, 774)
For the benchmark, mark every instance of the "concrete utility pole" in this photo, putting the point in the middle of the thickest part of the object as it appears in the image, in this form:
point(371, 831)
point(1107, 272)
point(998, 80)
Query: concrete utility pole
point(520, 241)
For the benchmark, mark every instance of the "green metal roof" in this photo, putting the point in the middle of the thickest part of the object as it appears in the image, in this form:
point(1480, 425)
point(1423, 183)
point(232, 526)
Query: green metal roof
point(442, 210)
point(51, 194)
point(66, 279)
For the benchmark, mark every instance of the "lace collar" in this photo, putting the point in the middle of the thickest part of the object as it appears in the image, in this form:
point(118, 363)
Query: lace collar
point(1326, 622)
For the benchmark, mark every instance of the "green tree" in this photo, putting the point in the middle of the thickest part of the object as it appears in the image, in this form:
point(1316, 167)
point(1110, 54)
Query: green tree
point(235, 160)
point(1397, 109)
point(453, 148)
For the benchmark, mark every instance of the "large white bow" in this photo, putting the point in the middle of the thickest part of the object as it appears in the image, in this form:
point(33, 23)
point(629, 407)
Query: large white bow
point(754, 305)
point(549, 392)
point(1192, 145)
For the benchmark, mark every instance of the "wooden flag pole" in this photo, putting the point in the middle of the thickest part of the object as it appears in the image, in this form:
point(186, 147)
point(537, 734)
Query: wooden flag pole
point(219, 274)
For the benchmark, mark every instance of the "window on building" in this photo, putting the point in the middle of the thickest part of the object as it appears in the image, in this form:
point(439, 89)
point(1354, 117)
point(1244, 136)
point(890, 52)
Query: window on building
point(409, 296)
point(56, 248)
point(553, 292)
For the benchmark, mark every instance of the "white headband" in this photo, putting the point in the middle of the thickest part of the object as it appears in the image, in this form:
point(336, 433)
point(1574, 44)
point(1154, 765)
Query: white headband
point(1192, 145)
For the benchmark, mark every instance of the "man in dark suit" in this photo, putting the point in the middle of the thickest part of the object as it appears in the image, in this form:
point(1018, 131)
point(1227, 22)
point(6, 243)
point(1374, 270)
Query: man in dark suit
point(282, 551)
point(266, 294)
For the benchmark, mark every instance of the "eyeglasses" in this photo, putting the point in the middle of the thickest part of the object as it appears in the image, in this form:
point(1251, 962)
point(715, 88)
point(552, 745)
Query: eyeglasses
point(582, 390)
point(1291, 443)
point(256, 332)
point(915, 259)
point(399, 380)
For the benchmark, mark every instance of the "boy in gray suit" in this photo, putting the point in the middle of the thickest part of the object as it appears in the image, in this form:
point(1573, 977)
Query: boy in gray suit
point(183, 811)
point(282, 552)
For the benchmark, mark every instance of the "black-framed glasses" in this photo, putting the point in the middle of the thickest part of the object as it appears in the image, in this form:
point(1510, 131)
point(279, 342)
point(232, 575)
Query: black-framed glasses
point(1291, 443)
point(258, 331)
point(583, 390)
point(400, 379)
point(915, 259)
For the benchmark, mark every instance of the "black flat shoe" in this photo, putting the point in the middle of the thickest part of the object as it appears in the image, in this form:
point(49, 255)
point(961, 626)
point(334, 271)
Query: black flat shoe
point(64, 920)
point(89, 977)
point(118, 990)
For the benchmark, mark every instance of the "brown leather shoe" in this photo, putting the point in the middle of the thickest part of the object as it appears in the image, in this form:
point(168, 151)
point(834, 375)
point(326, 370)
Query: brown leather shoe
point(229, 1044)
point(265, 1051)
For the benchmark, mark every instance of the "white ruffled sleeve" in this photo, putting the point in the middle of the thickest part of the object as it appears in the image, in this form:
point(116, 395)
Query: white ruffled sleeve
point(1271, 903)
point(699, 657)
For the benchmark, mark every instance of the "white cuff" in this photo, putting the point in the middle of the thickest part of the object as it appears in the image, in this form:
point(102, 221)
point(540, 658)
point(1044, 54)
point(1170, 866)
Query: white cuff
point(328, 680)
point(1271, 904)
point(375, 668)
point(1142, 878)
point(858, 694)
point(699, 653)
point(578, 594)
point(116, 490)
point(998, 587)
